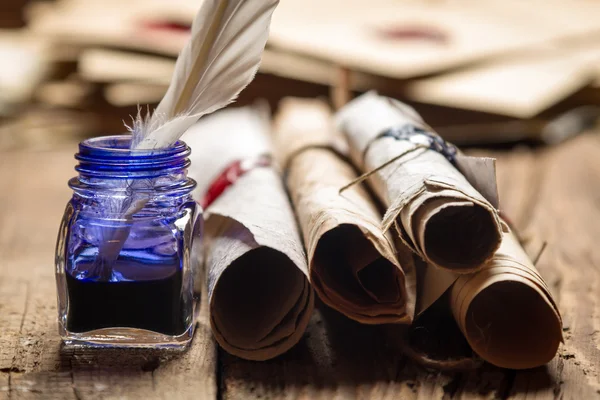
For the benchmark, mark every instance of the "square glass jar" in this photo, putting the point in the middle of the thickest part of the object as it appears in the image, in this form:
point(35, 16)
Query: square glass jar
point(124, 269)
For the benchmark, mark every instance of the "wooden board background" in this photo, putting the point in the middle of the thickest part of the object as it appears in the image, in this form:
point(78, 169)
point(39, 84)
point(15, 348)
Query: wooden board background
point(551, 195)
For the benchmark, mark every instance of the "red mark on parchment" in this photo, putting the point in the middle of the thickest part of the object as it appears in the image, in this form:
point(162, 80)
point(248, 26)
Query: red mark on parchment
point(414, 33)
point(165, 26)
point(230, 175)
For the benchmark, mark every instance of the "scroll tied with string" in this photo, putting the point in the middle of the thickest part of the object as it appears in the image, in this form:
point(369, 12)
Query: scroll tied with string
point(435, 210)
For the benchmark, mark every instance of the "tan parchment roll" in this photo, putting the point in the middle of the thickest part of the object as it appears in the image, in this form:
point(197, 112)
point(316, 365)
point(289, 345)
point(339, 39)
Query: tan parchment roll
point(506, 311)
point(255, 266)
point(353, 265)
point(435, 209)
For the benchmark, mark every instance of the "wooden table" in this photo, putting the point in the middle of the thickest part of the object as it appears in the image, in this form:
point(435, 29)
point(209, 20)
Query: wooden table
point(551, 194)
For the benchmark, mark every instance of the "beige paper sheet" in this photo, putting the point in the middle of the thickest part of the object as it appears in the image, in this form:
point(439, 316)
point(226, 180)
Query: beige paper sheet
point(101, 65)
point(353, 265)
point(255, 266)
point(521, 86)
point(342, 32)
point(436, 211)
point(505, 310)
point(367, 37)
point(116, 23)
point(123, 94)
point(25, 65)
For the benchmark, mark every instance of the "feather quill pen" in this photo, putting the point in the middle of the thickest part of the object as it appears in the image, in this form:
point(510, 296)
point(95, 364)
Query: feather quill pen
point(218, 62)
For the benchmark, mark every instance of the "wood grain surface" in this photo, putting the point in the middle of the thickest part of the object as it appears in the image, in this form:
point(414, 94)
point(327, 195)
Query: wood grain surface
point(551, 195)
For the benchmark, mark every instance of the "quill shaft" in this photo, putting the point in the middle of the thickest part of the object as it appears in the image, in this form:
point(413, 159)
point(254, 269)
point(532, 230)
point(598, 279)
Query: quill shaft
point(219, 61)
point(196, 71)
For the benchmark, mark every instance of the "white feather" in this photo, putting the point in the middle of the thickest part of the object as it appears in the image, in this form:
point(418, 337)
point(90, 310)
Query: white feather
point(219, 61)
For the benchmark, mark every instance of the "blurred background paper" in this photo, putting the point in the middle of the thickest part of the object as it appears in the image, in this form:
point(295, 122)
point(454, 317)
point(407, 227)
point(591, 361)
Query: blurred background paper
point(399, 39)
point(518, 87)
point(24, 65)
point(131, 93)
point(99, 65)
point(154, 25)
point(565, 20)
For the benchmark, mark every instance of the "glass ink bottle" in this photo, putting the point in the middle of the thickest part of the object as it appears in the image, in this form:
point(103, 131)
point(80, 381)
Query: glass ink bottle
point(123, 256)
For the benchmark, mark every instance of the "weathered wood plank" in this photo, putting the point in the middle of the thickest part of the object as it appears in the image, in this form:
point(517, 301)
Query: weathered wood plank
point(566, 216)
point(337, 359)
point(33, 363)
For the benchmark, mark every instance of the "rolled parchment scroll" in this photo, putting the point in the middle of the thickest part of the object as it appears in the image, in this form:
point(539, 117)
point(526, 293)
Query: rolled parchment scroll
point(353, 265)
point(436, 211)
point(505, 310)
point(256, 271)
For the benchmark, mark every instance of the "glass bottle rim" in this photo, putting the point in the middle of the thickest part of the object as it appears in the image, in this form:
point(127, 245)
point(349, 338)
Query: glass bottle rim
point(110, 156)
point(118, 146)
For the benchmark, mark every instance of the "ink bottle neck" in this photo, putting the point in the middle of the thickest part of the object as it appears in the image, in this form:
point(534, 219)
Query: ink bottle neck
point(109, 168)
